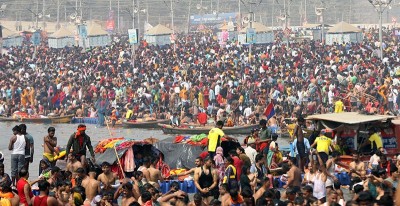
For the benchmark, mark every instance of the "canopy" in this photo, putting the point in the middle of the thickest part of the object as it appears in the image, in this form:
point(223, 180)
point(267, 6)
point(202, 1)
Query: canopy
point(258, 27)
point(344, 27)
point(159, 30)
point(7, 33)
point(62, 33)
point(96, 30)
point(349, 117)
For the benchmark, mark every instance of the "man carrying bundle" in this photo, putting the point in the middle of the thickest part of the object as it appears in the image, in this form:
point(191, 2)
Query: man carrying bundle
point(78, 142)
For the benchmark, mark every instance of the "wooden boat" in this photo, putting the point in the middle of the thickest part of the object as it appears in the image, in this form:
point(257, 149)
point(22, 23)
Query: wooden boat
point(150, 124)
point(63, 119)
point(8, 119)
point(196, 129)
point(38, 120)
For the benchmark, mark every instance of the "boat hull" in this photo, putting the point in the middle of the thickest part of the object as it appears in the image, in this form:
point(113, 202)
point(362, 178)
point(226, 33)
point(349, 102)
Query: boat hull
point(60, 120)
point(145, 125)
point(36, 120)
point(167, 129)
point(8, 119)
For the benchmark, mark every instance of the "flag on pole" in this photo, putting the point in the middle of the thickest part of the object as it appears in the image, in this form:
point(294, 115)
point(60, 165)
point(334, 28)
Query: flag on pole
point(269, 111)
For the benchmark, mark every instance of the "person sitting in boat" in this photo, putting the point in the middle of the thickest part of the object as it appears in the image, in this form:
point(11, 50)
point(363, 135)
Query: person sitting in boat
point(129, 113)
point(174, 119)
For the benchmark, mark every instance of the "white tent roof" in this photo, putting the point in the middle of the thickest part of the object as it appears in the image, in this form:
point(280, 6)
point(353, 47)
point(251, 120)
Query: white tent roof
point(62, 32)
point(7, 33)
point(343, 27)
point(95, 29)
point(159, 30)
point(257, 26)
point(349, 117)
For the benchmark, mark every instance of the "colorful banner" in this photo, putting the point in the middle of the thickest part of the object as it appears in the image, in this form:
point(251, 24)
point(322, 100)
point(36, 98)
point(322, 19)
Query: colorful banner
point(36, 38)
point(251, 36)
point(110, 21)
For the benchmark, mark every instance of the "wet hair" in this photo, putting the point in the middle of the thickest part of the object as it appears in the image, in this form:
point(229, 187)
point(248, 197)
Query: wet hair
point(81, 125)
point(229, 159)
point(215, 202)
point(146, 196)
point(43, 185)
point(16, 128)
point(22, 127)
point(263, 122)
point(233, 152)
point(105, 164)
point(55, 169)
point(23, 172)
point(364, 196)
point(335, 154)
point(207, 158)
point(51, 129)
point(174, 184)
point(80, 170)
point(197, 197)
point(308, 188)
point(241, 149)
point(134, 204)
point(358, 188)
point(128, 186)
point(299, 201)
point(259, 157)
point(220, 123)
point(146, 159)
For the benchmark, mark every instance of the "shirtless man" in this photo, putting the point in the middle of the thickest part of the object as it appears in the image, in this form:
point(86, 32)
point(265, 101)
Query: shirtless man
point(91, 185)
point(108, 178)
point(49, 146)
point(144, 169)
point(155, 174)
point(73, 163)
point(198, 163)
point(356, 167)
point(294, 176)
point(224, 194)
point(128, 197)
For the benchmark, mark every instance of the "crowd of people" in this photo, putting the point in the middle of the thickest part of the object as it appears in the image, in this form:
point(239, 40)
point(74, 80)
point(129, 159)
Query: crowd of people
point(200, 75)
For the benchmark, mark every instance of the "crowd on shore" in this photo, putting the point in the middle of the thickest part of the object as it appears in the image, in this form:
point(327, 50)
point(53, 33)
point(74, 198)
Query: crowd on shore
point(196, 75)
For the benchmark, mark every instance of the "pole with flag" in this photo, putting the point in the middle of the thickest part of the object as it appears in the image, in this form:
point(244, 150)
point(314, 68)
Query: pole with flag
point(269, 111)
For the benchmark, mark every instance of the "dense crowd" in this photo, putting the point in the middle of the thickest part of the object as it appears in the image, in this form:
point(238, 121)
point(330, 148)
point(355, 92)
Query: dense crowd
point(196, 75)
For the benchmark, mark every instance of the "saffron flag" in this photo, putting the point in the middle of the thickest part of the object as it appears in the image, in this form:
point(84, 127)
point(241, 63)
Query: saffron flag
point(269, 111)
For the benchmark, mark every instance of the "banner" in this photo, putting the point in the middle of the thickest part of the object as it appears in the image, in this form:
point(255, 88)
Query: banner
point(389, 140)
point(110, 21)
point(83, 31)
point(36, 38)
point(251, 36)
point(213, 18)
point(133, 36)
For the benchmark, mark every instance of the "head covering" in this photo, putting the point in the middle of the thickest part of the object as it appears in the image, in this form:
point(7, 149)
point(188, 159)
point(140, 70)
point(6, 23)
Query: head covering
point(251, 140)
point(219, 150)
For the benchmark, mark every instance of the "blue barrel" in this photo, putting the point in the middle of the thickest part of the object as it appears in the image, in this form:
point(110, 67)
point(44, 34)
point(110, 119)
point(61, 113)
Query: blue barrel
point(183, 186)
point(345, 178)
point(164, 186)
point(191, 187)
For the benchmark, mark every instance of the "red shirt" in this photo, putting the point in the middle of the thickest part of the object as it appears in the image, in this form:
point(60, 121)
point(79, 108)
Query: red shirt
point(40, 201)
point(238, 163)
point(20, 188)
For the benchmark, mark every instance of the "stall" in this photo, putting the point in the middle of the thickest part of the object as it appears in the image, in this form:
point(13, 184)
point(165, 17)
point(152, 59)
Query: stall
point(263, 34)
point(11, 38)
point(351, 129)
point(61, 38)
point(158, 35)
point(343, 33)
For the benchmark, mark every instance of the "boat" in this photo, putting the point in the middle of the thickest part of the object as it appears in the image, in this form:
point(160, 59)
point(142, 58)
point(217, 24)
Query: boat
point(38, 120)
point(197, 129)
point(84, 120)
point(150, 124)
point(63, 119)
point(8, 119)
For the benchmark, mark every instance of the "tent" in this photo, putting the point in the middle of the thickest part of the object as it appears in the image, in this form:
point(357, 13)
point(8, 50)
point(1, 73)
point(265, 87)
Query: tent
point(315, 30)
point(343, 33)
point(263, 34)
point(11, 38)
point(61, 38)
point(96, 36)
point(158, 35)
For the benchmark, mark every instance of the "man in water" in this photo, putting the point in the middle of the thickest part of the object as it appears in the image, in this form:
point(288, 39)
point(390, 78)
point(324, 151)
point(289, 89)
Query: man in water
point(49, 146)
point(30, 149)
point(79, 141)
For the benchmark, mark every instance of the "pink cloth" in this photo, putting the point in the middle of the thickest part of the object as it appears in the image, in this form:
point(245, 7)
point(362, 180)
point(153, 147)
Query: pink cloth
point(129, 163)
point(219, 162)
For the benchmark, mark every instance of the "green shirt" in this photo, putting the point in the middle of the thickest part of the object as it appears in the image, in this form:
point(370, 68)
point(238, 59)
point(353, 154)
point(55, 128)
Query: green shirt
point(265, 134)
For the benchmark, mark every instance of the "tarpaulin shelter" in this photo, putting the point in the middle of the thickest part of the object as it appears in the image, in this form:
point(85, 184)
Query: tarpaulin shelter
point(96, 36)
point(316, 30)
point(343, 33)
point(11, 38)
point(263, 34)
point(158, 35)
point(61, 38)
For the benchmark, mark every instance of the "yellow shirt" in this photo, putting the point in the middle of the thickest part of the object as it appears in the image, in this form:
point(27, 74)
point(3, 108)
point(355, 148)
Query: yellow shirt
point(338, 106)
point(214, 138)
point(129, 114)
point(323, 143)
point(375, 138)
